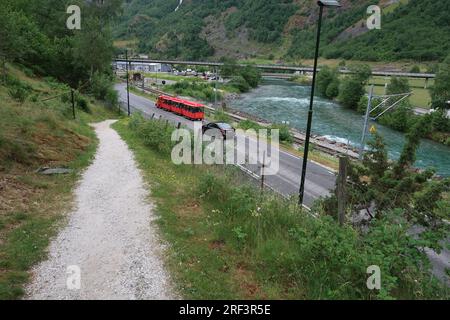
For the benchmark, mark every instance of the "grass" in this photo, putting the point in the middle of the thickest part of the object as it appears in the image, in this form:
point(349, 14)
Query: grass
point(172, 77)
point(227, 240)
point(201, 264)
point(35, 134)
point(420, 98)
point(141, 93)
point(123, 44)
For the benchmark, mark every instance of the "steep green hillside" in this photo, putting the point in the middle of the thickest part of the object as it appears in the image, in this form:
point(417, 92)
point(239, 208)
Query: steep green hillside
point(413, 29)
point(37, 132)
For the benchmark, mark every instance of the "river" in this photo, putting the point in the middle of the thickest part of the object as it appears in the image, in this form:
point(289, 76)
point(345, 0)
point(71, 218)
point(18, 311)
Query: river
point(280, 100)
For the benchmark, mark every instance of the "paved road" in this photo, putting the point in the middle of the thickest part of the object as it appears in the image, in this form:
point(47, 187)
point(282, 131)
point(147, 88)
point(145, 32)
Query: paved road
point(319, 180)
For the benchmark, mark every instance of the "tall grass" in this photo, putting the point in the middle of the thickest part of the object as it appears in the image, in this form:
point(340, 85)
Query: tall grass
point(287, 252)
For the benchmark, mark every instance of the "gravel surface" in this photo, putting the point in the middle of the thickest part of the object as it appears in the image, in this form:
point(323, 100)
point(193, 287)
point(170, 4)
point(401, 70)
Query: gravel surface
point(110, 235)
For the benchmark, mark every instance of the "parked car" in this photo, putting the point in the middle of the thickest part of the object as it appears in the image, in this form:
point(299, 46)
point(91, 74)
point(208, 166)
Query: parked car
point(227, 131)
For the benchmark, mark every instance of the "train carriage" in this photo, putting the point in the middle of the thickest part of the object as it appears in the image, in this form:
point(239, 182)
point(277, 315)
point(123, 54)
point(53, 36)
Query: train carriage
point(190, 110)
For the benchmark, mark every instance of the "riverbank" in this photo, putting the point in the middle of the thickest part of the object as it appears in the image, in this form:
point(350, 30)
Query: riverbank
point(420, 101)
point(284, 101)
point(339, 132)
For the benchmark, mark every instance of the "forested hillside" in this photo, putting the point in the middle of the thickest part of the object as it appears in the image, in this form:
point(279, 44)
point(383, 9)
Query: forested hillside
point(411, 29)
point(34, 34)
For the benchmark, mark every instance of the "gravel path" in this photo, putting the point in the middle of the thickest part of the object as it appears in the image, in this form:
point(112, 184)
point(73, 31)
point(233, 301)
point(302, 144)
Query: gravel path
point(109, 237)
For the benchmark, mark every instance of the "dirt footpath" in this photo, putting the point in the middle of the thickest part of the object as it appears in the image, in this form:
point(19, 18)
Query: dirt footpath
point(109, 248)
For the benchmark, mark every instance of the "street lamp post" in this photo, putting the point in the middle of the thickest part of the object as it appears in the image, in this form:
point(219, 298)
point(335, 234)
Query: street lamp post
point(322, 4)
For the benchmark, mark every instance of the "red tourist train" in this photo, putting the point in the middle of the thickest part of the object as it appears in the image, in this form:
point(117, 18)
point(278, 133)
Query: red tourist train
point(190, 110)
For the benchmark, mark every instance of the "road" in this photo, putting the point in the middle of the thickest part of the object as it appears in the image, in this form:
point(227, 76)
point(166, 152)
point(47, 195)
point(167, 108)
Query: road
point(319, 180)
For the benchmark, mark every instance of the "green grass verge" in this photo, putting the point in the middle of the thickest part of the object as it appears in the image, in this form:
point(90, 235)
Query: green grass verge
point(229, 241)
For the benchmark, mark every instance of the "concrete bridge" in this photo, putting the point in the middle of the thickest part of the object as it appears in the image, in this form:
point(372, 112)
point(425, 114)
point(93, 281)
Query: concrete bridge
point(286, 69)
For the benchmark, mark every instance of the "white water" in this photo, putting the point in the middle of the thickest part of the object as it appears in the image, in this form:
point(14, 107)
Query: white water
point(178, 7)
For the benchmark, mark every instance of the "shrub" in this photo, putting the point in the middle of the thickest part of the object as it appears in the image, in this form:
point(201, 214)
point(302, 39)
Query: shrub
point(101, 85)
point(440, 92)
point(240, 83)
point(314, 256)
point(251, 75)
point(248, 124)
point(112, 98)
point(154, 134)
point(83, 104)
point(221, 116)
point(415, 69)
point(350, 93)
point(18, 93)
point(328, 82)
point(352, 88)
point(401, 119)
point(285, 133)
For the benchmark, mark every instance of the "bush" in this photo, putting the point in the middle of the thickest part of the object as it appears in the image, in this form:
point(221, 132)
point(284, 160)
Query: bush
point(333, 89)
point(18, 93)
point(328, 83)
point(248, 124)
point(154, 134)
point(251, 75)
point(350, 93)
point(440, 92)
point(112, 98)
point(240, 83)
point(415, 69)
point(101, 86)
point(83, 104)
point(285, 133)
point(401, 119)
point(315, 257)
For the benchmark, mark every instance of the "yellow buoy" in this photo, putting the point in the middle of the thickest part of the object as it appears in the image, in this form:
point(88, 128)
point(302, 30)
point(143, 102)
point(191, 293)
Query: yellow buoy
point(373, 129)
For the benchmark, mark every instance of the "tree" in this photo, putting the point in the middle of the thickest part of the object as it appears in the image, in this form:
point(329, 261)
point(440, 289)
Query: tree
point(408, 155)
point(398, 85)
point(350, 93)
point(229, 68)
point(401, 118)
point(440, 92)
point(386, 185)
point(328, 82)
point(352, 88)
point(252, 75)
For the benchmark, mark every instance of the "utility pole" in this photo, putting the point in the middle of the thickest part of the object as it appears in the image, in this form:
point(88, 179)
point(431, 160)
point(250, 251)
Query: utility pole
point(215, 88)
point(366, 122)
point(128, 84)
point(342, 189)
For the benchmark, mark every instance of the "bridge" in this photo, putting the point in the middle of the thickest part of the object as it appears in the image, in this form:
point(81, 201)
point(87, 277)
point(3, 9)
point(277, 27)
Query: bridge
point(269, 68)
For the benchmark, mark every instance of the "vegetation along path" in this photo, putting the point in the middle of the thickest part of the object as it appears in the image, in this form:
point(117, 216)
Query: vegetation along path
point(109, 236)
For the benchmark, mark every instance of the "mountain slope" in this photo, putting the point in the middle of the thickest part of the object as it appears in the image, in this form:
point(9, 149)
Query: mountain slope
point(411, 29)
